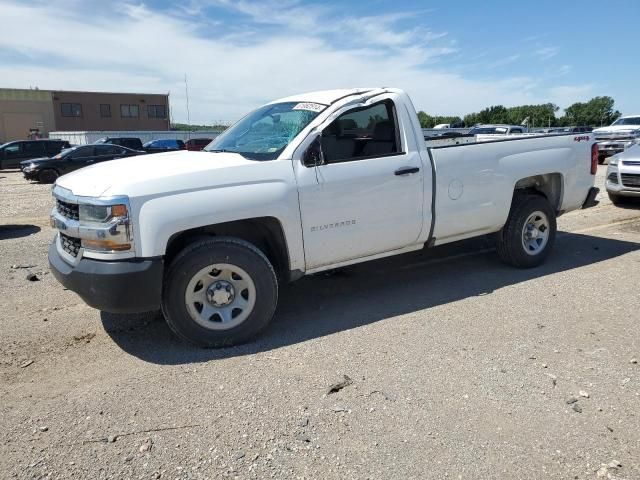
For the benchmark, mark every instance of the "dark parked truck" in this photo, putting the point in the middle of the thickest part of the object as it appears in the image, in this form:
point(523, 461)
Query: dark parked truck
point(301, 185)
point(12, 153)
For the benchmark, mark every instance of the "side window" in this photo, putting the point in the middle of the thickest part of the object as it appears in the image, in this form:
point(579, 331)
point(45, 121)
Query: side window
point(53, 147)
point(102, 150)
point(33, 148)
point(516, 130)
point(13, 149)
point(361, 133)
point(71, 109)
point(83, 152)
point(129, 111)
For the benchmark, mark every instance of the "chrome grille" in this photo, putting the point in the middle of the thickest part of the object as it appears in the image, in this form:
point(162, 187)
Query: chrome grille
point(68, 210)
point(70, 245)
point(630, 179)
point(613, 178)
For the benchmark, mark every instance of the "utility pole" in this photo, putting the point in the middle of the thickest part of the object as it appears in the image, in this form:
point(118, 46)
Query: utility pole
point(186, 90)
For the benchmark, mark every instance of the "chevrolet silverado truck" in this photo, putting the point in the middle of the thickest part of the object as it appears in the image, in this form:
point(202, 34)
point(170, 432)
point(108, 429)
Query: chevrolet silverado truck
point(616, 138)
point(301, 185)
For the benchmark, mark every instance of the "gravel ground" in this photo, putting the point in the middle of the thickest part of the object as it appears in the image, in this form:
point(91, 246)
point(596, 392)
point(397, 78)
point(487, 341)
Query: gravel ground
point(456, 367)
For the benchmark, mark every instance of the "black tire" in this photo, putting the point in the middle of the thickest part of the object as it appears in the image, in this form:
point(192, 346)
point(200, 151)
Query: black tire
point(617, 199)
point(510, 239)
point(48, 175)
point(217, 250)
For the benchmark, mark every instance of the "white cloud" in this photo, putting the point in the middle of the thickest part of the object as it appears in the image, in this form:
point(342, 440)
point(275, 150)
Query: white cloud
point(234, 68)
point(546, 53)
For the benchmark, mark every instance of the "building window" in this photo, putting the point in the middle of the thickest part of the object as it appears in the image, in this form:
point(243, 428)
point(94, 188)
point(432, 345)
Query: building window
point(71, 109)
point(105, 110)
point(157, 111)
point(129, 111)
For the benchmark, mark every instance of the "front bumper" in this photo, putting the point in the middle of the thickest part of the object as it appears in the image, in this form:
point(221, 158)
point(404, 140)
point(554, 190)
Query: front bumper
point(623, 180)
point(123, 286)
point(30, 174)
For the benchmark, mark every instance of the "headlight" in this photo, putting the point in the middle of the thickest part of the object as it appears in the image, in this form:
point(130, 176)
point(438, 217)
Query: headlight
point(101, 213)
point(613, 161)
point(105, 228)
point(29, 168)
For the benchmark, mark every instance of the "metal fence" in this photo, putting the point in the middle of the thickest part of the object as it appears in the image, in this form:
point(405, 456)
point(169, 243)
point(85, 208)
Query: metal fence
point(83, 138)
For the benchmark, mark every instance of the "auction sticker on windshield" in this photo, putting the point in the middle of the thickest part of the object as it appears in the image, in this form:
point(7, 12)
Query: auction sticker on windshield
point(312, 107)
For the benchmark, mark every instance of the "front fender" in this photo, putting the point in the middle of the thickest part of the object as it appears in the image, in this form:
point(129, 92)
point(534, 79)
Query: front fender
point(159, 218)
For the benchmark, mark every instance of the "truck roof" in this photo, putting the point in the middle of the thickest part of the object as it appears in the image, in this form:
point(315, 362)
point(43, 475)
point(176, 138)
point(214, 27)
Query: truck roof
point(325, 97)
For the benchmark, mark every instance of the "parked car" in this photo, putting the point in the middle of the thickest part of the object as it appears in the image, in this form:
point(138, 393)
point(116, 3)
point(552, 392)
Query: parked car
point(620, 135)
point(133, 143)
point(623, 175)
point(287, 192)
point(498, 130)
point(166, 145)
point(197, 144)
point(12, 153)
point(584, 129)
point(46, 170)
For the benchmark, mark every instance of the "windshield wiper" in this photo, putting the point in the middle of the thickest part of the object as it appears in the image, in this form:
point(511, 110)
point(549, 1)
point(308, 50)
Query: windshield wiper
point(220, 150)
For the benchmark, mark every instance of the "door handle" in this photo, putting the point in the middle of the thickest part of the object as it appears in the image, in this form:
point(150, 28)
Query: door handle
point(407, 170)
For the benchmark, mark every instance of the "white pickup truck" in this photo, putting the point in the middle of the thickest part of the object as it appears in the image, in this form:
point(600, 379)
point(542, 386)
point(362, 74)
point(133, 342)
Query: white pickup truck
point(300, 185)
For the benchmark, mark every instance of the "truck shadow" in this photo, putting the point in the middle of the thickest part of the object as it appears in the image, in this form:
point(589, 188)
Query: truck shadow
point(320, 305)
point(8, 232)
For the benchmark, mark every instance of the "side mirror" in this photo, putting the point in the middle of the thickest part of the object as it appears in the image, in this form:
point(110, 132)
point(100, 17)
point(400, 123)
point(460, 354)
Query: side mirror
point(313, 157)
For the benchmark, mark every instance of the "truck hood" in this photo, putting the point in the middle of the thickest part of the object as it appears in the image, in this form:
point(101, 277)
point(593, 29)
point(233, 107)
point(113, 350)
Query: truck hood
point(155, 173)
point(617, 129)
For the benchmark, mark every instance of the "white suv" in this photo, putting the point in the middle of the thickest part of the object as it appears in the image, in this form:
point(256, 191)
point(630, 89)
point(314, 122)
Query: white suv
point(623, 175)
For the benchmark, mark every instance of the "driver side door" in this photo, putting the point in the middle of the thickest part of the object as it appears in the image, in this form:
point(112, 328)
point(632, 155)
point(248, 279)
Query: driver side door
point(367, 197)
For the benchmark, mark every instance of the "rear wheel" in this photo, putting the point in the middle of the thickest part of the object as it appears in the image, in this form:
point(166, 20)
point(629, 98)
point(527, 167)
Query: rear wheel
point(219, 292)
point(48, 176)
point(528, 236)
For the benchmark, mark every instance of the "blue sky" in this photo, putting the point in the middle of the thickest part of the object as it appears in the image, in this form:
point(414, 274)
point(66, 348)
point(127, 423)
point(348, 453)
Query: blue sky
point(452, 57)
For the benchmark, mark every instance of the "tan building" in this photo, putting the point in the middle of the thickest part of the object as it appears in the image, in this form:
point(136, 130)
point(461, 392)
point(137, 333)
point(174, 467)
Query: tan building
point(32, 113)
point(23, 112)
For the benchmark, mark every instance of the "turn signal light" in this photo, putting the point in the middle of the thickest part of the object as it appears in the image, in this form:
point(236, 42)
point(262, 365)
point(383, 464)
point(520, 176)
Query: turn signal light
point(119, 211)
point(105, 245)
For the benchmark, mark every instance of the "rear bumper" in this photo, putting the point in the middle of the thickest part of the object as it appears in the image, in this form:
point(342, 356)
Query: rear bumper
point(591, 198)
point(124, 286)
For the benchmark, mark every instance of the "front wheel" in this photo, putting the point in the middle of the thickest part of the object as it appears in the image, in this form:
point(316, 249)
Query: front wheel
point(528, 236)
point(48, 176)
point(219, 292)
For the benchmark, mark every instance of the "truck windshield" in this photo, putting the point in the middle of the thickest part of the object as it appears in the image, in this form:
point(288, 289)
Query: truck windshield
point(627, 121)
point(265, 132)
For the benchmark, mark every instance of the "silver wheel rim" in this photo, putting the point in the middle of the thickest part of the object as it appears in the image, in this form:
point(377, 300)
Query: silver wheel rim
point(535, 233)
point(220, 296)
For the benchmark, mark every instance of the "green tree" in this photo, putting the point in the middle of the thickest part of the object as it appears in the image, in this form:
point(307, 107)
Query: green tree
point(597, 111)
point(428, 121)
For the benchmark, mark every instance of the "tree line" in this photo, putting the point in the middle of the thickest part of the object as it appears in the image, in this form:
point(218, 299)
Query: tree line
point(596, 112)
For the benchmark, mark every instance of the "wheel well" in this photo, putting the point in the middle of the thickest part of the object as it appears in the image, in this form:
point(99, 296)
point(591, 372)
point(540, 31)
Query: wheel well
point(549, 185)
point(264, 232)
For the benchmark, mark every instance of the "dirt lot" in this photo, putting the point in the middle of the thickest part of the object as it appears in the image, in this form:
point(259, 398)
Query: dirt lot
point(461, 367)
